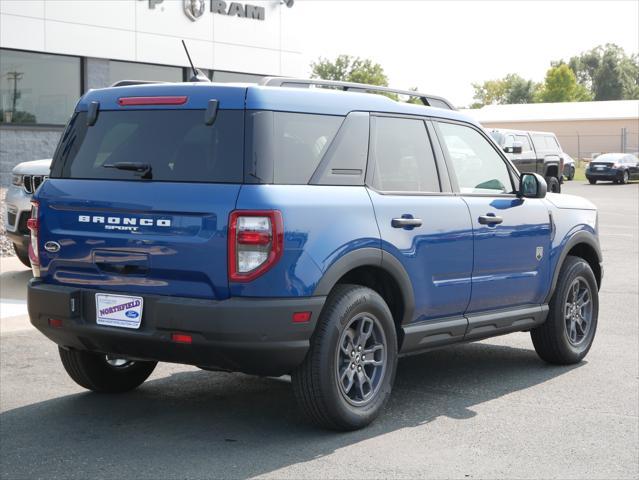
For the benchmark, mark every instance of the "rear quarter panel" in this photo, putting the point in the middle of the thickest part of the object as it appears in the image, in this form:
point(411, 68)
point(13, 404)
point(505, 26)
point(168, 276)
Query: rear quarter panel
point(321, 224)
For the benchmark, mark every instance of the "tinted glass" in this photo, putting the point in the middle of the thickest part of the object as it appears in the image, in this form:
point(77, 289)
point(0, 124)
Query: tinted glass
point(478, 167)
point(551, 143)
point(404, 160)
point(143, 71)
point(525, 143)
point(176, 144)
point(38, 88)
point(286, 148)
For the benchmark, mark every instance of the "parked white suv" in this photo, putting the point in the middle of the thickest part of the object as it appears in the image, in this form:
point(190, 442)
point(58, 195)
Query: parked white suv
point(26, 177)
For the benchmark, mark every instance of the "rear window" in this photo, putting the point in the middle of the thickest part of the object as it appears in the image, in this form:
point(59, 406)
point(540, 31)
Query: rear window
point(176, 144)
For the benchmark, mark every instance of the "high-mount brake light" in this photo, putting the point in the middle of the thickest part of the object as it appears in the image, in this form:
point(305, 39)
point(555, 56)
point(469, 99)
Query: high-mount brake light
point(34, 228)
point(255, 243)
point(132, 101)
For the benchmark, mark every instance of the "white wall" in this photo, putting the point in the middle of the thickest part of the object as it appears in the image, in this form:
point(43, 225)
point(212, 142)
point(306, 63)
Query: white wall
point(130, 30)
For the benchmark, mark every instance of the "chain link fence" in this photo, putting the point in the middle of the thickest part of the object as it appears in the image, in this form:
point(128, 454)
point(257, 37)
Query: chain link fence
point(586, 147)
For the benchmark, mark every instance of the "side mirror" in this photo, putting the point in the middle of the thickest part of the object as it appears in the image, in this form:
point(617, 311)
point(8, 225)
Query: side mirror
point(516, 148)
point(532, 185)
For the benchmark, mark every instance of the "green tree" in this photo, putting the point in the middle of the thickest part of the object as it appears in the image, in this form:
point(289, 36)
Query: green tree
point(346, 68)
point(510, 89)
point(561, 86)
point(607, 72)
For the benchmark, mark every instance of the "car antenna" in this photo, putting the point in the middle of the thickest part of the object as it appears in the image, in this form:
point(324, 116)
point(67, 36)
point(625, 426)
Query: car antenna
point(198, 75)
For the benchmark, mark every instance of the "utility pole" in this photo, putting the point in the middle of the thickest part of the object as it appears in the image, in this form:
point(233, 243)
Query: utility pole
point(15, 76)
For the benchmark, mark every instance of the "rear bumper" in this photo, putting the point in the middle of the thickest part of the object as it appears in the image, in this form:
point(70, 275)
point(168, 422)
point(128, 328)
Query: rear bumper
point(249, 335)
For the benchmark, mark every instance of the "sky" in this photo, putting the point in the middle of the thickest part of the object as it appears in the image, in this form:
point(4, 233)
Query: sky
point(442, 47)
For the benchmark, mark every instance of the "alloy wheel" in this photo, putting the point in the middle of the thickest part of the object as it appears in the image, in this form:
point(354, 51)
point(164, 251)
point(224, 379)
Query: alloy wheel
point(578, 311)
point(361, 359)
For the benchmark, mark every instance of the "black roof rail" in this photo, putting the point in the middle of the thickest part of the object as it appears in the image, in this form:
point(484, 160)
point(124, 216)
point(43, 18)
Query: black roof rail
point(428, 100)
point(126, 83)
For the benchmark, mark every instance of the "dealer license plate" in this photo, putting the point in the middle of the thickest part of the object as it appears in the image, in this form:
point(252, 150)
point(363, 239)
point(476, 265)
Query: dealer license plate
point(118, 310)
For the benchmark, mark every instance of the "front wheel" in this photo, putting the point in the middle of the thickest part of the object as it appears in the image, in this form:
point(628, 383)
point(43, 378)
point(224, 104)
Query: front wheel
point(348, 373)
point(103, 373)
point(592, 181)
point(571, 173)
point(567, 334)
point(625, 178)
point(553, 184)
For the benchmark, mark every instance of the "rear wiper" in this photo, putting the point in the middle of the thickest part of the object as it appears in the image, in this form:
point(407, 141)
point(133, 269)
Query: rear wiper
point(143, 168)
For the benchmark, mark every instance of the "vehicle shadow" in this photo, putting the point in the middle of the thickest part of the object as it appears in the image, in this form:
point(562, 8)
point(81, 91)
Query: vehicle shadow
point(13, 283)
point(199, 424)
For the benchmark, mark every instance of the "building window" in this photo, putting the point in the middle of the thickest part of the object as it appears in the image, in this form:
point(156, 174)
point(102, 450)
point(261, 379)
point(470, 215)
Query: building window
point(230, 77)
point(143, 71)
point(38, 88)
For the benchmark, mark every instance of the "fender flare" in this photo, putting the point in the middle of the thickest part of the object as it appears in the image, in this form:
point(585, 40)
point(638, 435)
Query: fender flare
point(373, 257)
point(579, 237)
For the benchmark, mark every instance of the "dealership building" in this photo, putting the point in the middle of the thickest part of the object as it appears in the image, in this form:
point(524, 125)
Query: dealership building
point(52, 51)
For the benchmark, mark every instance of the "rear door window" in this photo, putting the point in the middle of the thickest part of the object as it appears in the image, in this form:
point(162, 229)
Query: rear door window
point(403, 156)
point(176, 144)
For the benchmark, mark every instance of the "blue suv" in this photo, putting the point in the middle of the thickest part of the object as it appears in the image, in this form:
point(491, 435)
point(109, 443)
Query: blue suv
point(318, 232)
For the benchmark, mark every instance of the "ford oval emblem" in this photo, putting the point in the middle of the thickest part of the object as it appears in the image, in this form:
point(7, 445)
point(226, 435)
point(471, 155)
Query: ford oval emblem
point(52, 247)
point(131, 314)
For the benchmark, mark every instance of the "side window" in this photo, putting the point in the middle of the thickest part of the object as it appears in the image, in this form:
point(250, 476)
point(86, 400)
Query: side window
point(509, 140)
point(300, 140)
point(403, 155)
point(525, 143)
point(539, 142)
point(552, 143)
point(478, 167)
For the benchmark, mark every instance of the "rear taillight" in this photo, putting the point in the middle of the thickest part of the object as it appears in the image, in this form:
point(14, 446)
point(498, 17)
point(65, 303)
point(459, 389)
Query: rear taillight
point(255, 244)
point(34, 228)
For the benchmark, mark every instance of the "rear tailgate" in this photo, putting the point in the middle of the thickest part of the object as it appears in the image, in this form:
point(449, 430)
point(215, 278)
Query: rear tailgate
point(139, 202)
point(155, 237)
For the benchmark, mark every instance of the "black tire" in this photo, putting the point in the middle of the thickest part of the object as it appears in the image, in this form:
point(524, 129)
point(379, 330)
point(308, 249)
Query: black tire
point(91, 371)
point(625, 178)
point(316, 383)
point(571, 173)
point(552, 339)
point(592, 181)
point(22, 256)
point(553, 184)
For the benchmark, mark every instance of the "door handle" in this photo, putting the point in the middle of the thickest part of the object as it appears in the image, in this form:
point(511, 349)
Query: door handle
point(490, 219)
point(406, 222)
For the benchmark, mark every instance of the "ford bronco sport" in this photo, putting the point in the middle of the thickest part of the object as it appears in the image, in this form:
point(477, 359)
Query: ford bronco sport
point(318, 232)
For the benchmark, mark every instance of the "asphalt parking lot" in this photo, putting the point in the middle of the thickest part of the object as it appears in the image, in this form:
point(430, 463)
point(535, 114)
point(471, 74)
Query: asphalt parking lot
point(483, 410)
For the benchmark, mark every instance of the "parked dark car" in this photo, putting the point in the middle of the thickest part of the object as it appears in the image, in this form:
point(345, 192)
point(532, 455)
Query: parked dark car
point(613, 167)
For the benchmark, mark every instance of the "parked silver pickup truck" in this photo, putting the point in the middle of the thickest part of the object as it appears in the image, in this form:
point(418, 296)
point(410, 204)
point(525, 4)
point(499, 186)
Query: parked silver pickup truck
point(537, 152)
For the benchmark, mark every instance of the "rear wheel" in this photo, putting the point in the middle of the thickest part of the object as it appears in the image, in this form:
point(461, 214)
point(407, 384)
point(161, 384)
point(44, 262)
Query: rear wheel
point(103, 373)
point(567, 335)
point(553, 184)
point(571, 173)
point(348, 373)
point(22, 256)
